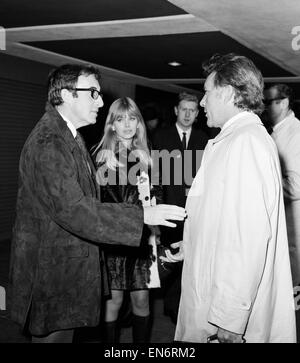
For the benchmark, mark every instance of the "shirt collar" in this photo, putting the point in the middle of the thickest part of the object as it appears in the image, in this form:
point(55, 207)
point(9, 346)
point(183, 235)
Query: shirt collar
point(290, 114)
point(180, 131)
point(69, 124)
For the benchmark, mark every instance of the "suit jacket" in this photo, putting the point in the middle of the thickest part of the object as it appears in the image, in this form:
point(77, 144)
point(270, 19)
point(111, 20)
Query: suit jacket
point(178, 177)
point(55, 271)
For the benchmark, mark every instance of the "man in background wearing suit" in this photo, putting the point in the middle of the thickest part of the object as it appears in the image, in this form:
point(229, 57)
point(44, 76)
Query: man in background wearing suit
point(186, 143)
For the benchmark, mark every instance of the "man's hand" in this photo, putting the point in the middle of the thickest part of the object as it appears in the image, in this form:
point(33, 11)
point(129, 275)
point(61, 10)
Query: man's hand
point(161, 213)
point(225, 336)
point(170, 257)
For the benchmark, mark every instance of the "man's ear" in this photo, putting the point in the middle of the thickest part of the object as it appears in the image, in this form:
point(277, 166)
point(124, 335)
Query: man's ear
point(66, 95)
point(228, 94)
point(285, 103)
point(176, 110)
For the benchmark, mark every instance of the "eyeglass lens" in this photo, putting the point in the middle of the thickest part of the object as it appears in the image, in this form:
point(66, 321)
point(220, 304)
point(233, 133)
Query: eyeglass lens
point(94, 92)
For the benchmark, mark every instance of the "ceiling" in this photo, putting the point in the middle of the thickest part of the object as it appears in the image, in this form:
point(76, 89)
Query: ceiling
point(134, 40)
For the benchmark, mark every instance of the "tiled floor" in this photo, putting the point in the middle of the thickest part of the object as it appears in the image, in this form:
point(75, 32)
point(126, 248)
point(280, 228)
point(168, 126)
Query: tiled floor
point(162, 328)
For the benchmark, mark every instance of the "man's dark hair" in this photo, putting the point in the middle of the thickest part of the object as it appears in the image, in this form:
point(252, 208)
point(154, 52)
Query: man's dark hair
point(66, 77)
point(284, 91)
point(240, 73)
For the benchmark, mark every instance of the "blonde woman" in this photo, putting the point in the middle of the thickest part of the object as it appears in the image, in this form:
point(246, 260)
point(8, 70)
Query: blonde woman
point(122, 156)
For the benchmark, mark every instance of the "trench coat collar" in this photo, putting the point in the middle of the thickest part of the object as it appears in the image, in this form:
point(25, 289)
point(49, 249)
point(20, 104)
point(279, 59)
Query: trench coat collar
point(61, 125)
point(240, 120)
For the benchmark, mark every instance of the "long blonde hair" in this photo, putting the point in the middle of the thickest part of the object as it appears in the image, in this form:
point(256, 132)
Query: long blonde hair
point(110, 143)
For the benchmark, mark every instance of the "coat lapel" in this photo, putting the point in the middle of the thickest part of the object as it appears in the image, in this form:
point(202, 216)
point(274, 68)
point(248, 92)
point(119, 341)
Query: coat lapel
point(65, 132)
point(175, 138)
point(192, 140)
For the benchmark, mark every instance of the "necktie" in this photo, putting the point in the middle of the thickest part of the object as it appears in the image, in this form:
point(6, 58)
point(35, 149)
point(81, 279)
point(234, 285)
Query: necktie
point(184, 141)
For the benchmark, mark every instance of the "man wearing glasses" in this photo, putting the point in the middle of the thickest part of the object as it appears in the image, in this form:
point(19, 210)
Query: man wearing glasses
point(57, 273)
point(286, 134)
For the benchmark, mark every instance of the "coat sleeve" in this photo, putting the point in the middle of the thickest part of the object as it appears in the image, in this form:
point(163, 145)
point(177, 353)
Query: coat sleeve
point(156, 182)
point(251, 188)
point(56, 185)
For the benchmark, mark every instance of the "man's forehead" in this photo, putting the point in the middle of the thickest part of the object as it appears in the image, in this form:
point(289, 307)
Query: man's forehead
point(189, 104)
point(209, 82)
point(88, 81)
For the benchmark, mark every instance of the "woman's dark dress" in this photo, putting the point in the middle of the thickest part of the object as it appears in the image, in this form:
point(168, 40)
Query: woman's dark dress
point(128, 267)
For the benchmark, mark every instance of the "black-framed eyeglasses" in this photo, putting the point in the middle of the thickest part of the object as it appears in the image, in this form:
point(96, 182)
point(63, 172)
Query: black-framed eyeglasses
point(270, 100)
point(94, 92)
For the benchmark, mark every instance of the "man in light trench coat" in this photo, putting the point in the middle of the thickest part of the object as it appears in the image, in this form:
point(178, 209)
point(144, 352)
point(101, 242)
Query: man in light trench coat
point(236, 280)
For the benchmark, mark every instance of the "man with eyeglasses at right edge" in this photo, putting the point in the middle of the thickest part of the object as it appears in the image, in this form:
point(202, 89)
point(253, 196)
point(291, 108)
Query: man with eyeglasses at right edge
point(279, 100)
point(57, 272)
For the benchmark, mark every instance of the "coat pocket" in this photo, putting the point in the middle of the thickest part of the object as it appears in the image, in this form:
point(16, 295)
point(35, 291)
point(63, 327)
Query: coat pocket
point(62, 251)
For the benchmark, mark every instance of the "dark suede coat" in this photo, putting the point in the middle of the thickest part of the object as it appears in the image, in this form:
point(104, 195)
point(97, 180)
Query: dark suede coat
point(56, 270)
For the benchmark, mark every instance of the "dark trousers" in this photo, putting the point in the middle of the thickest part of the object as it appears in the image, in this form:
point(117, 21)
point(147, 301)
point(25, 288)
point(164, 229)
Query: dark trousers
point(170, 277)
point(170, 273)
